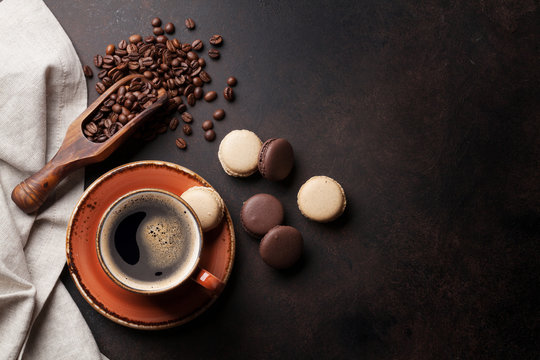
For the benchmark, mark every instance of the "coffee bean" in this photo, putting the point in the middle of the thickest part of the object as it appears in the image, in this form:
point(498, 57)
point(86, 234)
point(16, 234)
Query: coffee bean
point(173, 124)
point(135, 38)
point(187, 117)
point(198, 92)
point(231, 81)
point(91, 128)
point(216, 40)
point(186, 47)
point(192, 56)
point(213, 53)
point(202, 62)
point(181, 108)
point(191, 100)
point(210, 135)
point(181, 143)
point(88, 71)
point(148, 74)
point(190, 24)
point(100, 88)
point(169, 28)
point(156, 22)
point(122, 45)
point(205, 77)
point(197, 45)
point(102, 74)
point(186, 129)
point(197, 81)
point(98, 61)
point(110, 49)
point(162, 39)
point(117, 108)
point(207, 125)
point(189, 89)
point(210, 96)
point(228, 94)
point(158, 31)
point(150, 39)
point(219, 114)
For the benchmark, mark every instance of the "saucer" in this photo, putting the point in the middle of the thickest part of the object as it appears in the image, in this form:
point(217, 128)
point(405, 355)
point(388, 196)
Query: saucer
point(149, 312)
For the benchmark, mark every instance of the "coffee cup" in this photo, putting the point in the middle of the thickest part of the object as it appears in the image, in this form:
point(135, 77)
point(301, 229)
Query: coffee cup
point(149, 241)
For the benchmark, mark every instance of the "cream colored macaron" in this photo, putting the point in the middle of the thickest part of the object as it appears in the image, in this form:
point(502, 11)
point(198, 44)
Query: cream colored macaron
point(321, 199)
point(239, 153)
point(207, 204)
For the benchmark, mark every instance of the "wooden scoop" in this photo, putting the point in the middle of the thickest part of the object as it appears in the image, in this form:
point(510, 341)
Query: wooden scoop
point(77, 151)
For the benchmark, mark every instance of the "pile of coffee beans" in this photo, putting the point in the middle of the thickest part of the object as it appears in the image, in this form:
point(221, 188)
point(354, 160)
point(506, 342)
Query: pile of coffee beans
point(120, 108)
point(166, 63)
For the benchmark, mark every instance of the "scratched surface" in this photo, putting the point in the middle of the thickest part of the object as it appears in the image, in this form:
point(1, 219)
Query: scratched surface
point(426, 114)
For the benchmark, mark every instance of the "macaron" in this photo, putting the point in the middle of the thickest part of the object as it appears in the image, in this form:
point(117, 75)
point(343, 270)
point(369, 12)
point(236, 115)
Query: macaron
point(321, 199)
point(260, 213)
point(207, 205)
point(276, 159)
point(281, 247)
point(239, 153)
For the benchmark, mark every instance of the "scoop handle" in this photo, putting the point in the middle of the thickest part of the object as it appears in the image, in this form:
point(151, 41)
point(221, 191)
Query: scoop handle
point(31, 193)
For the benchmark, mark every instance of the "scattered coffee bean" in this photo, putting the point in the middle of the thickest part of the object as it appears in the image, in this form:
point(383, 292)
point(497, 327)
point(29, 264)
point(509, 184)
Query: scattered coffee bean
point(191, 99)
point(210, 135)
point(110, 49)
point(181, 143)
point(216, 40)
point(158, 31)
point(213, 53)
point(228, 94)
point(186, 129)
point(156, 22)
point(98, 61)
point(169, 28)
point(219, 114)
point(100, 88)
point(210, 96)
point(190, 24)
point(198, 92)
point(187, 117)
point(197, 45)
point(182, 108)
point(122, 45)
point(102, 74)
point(207, 125)
point(135, 38)
point(87, 70)
point(231, 81)
point(203, 75)
point(196, 81)
point(162, 39)
point(202, 62)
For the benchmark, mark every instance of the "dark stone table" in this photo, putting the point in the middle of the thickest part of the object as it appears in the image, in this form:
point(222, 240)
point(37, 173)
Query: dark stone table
point(426, 112)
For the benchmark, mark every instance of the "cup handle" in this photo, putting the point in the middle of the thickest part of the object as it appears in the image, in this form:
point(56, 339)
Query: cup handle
point(207, 280)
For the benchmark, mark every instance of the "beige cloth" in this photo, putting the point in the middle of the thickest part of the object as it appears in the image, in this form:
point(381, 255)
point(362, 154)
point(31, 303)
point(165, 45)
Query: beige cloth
point(42, 89)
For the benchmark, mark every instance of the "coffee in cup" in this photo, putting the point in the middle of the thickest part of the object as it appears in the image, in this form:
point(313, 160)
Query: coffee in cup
point(150, 241)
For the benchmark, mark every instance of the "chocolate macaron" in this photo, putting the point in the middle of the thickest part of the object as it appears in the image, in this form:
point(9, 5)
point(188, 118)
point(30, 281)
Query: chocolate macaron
point(260, 213)
point(276, 159)
point(281, 247)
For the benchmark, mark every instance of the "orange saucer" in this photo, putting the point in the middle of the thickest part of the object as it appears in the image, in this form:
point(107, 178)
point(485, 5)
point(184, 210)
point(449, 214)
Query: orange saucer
point(138, 311)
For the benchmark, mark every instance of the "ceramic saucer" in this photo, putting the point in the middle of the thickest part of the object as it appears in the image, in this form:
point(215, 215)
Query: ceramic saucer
point(122, 306)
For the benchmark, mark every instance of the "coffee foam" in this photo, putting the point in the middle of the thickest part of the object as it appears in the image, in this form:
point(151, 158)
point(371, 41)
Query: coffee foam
point(168, 238)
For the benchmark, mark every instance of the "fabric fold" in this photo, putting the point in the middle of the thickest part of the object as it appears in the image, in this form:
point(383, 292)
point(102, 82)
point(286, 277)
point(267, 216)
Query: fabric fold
point(42, 91)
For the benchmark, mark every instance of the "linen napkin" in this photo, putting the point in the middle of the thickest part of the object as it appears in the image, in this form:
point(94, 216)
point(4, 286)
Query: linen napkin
point(42, 89)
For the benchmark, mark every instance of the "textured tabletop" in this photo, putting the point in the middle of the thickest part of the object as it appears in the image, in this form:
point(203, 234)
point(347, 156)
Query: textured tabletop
point(425, 112)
